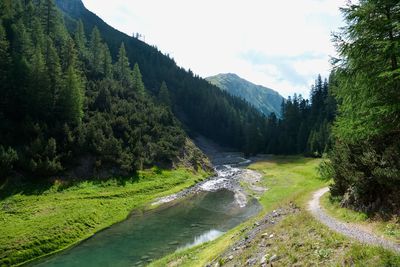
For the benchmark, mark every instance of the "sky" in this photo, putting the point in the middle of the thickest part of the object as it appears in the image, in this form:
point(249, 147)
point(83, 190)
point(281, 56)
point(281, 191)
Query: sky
point(280, 44)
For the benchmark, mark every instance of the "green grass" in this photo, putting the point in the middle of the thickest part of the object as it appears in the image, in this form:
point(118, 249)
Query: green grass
point(300, 239)
point(34, 225)
point(389, 229)
point(288, 179)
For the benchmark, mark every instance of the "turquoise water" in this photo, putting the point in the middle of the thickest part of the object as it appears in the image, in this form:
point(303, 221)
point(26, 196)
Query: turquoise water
point(143, 238)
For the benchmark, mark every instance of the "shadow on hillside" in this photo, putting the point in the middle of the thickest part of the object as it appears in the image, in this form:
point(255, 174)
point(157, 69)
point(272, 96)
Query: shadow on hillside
point(25, 186)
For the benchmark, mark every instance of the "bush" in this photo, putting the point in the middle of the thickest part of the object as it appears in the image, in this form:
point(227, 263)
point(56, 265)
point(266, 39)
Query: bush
point(367, 174)
point(7, 158)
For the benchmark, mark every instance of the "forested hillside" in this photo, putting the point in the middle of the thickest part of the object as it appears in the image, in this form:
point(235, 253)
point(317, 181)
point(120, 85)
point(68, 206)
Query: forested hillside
point(66, 103)
point(366, 155)
point(201, 107)
point(74, 101)
point(305, 126)
point(262, 98)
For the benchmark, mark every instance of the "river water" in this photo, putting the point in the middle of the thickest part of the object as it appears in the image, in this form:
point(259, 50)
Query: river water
point(212, 208)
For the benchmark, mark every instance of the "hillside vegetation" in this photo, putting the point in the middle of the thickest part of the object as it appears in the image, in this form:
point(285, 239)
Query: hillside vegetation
point(40, 220)
point(233, 122)
point(365, 161)
point(292, 239)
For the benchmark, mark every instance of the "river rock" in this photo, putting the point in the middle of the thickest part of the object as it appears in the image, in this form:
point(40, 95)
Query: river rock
point(251, 261)
point(263, 259)
point(273, 258)
point(264, 235)
point(230, 257)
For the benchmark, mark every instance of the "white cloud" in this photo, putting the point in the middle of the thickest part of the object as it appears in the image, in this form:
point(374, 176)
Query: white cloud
point(211, 37)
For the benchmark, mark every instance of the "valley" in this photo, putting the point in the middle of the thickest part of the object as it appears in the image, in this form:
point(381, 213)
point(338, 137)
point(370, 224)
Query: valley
point(114, 152)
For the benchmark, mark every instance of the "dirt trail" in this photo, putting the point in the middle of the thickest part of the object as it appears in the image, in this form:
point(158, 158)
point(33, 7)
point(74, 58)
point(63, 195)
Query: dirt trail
point(347, 229)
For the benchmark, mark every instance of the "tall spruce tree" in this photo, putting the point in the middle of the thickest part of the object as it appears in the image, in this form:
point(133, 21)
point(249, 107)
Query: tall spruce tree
point(123, 70)
point(163, 96)
point(365, 161)
point(138, 84)
point(96, 49)
point(72, 94)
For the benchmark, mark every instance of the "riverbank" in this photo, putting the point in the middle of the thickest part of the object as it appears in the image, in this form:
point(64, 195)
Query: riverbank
point(284, 234)
point(39, 223)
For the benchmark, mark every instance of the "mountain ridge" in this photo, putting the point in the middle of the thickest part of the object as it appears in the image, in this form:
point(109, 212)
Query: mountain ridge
point(193, 99)
point(264, 99)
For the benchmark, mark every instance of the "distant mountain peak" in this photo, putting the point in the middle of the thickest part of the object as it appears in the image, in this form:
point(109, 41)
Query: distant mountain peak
point(264, 99)
point(71, 5)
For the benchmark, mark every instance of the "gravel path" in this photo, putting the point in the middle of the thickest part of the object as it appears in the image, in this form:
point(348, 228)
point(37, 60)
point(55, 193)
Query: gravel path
point(346, 229)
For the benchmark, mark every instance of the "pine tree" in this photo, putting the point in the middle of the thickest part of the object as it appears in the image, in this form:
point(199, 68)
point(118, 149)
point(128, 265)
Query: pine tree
point(80, 37)
point(54, 71)
point(123, 70)
point(96, 49)
point(365, 158)
point(138, 84)
point(107, 62)
point(71, 97)
point(48, 15)
point(72, 94)
point(22, 46)
point(5, 59)
point(163, 96)
point(40, 91)
point(5, 66)
point(6, 9)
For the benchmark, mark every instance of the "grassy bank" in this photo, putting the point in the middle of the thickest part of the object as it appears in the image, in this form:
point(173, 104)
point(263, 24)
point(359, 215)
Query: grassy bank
point(298, 239)
point(390, 229)
point(288, 179)
point(39, 223)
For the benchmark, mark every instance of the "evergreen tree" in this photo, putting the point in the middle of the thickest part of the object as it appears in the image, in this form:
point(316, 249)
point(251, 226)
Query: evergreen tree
point(163, 96)
point(5, 59)
point(54, 72)
point(107, 63)
point(123, 70)
point(71, 96)
point(96, 49)
point(80, 37)
point(137, 80)
point(365, 159)
point(48, 15)
point(39, 90)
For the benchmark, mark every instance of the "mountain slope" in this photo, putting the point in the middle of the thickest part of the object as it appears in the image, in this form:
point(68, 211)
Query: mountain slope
point(200, 106)
point(264, 99)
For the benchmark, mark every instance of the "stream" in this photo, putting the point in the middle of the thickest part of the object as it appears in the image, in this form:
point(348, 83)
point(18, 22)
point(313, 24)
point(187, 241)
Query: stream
point(191, 217)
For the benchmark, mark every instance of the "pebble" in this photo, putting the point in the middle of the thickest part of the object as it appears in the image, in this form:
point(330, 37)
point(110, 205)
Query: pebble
point(263, 259)
point(230, 257)
point(264, 235)
point(271, 236)
point(251, 261)
point(273, 258)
